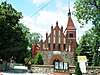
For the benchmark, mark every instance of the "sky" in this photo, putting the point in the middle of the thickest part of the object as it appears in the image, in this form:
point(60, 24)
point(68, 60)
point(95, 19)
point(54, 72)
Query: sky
point(40, 15)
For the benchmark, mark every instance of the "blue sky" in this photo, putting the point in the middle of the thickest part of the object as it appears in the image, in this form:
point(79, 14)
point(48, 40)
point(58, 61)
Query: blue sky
point(41, 22)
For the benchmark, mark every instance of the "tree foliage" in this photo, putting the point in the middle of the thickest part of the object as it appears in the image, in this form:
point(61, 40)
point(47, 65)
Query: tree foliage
point(32, 36)
point(77, 69)
point(13, 41)
point(88, 10)
point(85, 48)
point(96, 45)
point(38, 59)
point(23, 43)
point(89, 44)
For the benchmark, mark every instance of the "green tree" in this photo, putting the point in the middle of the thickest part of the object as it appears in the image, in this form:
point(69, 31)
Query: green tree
point(38, 59)
point(96, 45)
point(88, 45)
point(13, 41)
point(85, 49)
point(88, 10)
point(32, 36)
point(77, 69)
point(22, 46)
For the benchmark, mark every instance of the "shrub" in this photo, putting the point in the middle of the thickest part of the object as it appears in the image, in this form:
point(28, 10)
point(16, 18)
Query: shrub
point(38, 59)
point(77, 69)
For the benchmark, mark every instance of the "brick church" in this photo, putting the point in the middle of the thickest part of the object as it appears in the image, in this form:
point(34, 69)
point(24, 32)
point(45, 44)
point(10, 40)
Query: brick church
point(59, 45)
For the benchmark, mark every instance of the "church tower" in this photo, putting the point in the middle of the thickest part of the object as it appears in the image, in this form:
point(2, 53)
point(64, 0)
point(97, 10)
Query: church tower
point(70, 32)
point(58, 45)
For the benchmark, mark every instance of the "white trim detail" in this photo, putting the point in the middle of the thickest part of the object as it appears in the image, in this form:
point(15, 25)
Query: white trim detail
point(70, 30)
point(71, 38)
point(64, 40)
point(48, 39)
point(54, 32)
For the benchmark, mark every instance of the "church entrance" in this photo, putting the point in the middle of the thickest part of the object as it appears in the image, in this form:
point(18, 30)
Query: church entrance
point(56, 58)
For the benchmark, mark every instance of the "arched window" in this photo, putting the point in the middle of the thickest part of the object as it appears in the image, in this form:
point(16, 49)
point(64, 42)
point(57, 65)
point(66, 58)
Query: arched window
point(71, 35)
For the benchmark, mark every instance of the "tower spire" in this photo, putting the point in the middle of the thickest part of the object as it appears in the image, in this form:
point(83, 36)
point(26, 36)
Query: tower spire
point(70, 25)
point(69, 13)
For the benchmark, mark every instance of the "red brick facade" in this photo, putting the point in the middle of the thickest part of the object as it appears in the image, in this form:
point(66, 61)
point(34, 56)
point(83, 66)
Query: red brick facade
point(59, 39)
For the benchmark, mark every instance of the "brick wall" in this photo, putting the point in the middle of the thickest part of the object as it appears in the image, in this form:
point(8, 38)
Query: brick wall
point(45, 69)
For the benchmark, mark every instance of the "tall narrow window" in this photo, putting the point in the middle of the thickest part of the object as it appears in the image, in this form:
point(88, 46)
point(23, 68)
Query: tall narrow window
point(58, 46)
point(53, 46)
point(69, 48)
point(53, 39)
point(49, 46)
point(44, 46)
point(48, 39)
point(64, 46)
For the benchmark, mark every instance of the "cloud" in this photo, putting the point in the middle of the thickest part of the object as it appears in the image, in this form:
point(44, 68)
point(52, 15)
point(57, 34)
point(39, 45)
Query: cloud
point(42, 23)
point(59, 4)
point(45, 18)
point(50, 17)
point(38, 2)
point(29, 22)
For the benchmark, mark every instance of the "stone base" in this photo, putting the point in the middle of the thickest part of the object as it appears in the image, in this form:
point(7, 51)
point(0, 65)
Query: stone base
point(61, 73)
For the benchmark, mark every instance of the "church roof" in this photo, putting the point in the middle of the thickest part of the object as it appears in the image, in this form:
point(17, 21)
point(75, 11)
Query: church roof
point(35, 48)
point(70, 25)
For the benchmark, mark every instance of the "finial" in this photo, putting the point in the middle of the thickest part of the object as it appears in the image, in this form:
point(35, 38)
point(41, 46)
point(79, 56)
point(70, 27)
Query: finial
point(69, 13)
point(61, 27)
point(46, 33)
point(57, 23)
point(52, 26)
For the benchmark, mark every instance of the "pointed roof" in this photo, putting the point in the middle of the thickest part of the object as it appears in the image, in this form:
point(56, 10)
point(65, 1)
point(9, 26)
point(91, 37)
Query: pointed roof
point(35, 48)
point(70, 24)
